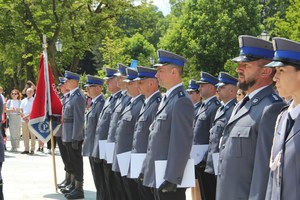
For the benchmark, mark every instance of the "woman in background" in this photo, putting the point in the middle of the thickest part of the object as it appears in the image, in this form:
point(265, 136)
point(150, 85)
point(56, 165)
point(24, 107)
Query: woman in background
point(13, 113)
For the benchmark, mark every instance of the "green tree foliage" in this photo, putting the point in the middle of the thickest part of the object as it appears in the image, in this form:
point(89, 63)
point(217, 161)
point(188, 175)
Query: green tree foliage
point(206, 33)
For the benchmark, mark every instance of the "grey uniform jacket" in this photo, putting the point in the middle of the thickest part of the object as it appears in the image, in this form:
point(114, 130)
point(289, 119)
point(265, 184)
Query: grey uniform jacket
point(284, 181)
point(242, 175)
point(145, 118)
point(117, 111)
point(91, 119)
point(63, 100)
point(125, 129)
point(222, 116)
point(197, 107)
point(73, 117)
point(170, 138)
point(103, 122)
point(203, 121)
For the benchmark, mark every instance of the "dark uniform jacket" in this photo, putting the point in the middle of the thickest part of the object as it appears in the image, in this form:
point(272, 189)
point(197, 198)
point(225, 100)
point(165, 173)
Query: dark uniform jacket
point(73, 117)
point(125, 129)
point(104, 121)
point(245, 147)
point(171, 136)
point(222, 116)
point(91, 120)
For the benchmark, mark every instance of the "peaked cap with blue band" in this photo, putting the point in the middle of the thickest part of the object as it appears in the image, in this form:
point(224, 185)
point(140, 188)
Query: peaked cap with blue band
point(72, 75)
point(121, 70)
point(225, 78)
point(193, 86)
point(93, 80)
point(109, 73)
point(131, 75)
point(145, 72)
point(207, 78)
point(286, 52)
point(62, 80)
point(253, 48)
point(166, 57)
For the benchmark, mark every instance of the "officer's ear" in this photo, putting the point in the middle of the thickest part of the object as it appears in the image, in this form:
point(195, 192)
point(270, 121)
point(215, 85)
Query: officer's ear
point(267, 72)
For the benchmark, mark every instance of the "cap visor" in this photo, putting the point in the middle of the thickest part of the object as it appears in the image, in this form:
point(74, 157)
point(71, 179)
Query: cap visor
point(244, 59)
point(190, 90)
point(201, 82)
point(275, 64)
point(220, 84)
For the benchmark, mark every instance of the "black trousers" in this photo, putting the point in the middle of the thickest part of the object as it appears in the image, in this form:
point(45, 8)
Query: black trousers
point(118, 187)
point(49, 143)
point(64, 155)
point(76, 161)
point(145, 193)
point(207, 182)
point(98, 176)
point(178, 195)
point(109, 181)
point(131, 188)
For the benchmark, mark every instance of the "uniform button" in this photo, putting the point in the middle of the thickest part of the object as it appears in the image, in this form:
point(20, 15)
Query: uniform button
point(239, 133)
point(148, 149)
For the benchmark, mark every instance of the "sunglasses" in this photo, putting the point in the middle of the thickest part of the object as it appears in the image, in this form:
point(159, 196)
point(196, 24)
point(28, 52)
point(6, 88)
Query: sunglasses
point(14, 93)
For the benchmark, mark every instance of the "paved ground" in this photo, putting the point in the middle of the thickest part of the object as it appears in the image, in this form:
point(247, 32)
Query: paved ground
point(31, 176)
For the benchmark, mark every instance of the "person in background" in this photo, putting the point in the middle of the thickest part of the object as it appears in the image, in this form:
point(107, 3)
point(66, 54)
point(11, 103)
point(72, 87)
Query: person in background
point(284, 160)
point(240, 94)
point(1, 153)
point(13, 111)
point(73, 135)
point(62, 148)
point(25, 110)
point(29, 84)
point(94, 86)
point(193, 91)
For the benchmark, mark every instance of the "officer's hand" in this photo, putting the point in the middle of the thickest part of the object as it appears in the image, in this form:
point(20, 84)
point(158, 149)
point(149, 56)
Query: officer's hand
point(97, 160)
point(75, 144)
point(167, 186)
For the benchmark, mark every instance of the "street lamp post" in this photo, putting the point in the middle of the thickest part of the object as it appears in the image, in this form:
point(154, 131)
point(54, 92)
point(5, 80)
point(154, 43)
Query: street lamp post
point(58, 45)
point(264, 35)
point(151, 60)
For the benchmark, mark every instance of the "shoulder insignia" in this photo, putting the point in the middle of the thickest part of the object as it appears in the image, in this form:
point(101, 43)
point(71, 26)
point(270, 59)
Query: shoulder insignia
point(255, 101)
point(158, 99)
point(274, 97)
point(181, 94)
point(217, 102)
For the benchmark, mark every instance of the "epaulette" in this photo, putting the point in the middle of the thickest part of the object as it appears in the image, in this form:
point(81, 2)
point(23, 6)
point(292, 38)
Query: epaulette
point(181, 94)
point(275, 98)
point(217, 102)
point(158, 100)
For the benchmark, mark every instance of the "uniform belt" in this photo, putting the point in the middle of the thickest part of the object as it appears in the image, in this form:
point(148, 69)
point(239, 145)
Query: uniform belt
point(67, 120)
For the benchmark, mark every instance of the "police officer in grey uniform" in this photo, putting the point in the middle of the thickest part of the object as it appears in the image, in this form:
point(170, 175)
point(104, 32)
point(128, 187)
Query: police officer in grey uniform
point(2, 146)
point(171, 133)
point(110, 178)
point(284, 162)
point(62, 148)
point(193, 90)
point(226, 89)
point(202, 124)
point(125, 129)
point(148, 86)
point(94, 89)
point(247, 138)
point(103, 127)
point(73, 134)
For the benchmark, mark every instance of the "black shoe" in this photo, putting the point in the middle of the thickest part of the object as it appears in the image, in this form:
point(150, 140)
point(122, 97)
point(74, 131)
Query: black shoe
point(68, 189)
point(31, 152)
point(75, 194)
point(25, 152)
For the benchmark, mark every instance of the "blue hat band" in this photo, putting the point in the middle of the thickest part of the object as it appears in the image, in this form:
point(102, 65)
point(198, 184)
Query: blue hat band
point(146, 74)
point(131, 76)
point(171, 60)
point(94, 82)
point(70, 76)
point(227, 81)
point(193, 86)
point(287, 55)
point(204, 79)
point(257, 52)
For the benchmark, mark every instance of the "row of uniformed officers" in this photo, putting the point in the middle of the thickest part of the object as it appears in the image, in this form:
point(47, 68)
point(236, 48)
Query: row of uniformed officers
point(245, 155)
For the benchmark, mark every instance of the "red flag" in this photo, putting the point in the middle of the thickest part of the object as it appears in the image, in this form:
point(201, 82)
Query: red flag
point(46, 103)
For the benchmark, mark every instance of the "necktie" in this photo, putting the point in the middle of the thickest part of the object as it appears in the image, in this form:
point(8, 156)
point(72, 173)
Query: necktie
point(245, 100)
point(289, 125)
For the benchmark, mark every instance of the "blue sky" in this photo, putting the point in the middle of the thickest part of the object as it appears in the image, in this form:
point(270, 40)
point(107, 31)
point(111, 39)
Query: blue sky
point(162, 5)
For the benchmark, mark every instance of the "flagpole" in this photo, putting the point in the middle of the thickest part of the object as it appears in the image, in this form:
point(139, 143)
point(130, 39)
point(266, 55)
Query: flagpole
point(49, 107)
